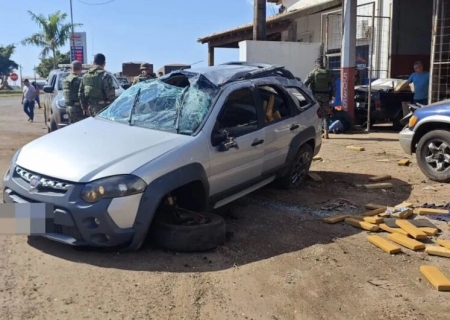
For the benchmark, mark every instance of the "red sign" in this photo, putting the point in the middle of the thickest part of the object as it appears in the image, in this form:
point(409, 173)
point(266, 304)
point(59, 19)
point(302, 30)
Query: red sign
point(14, 77)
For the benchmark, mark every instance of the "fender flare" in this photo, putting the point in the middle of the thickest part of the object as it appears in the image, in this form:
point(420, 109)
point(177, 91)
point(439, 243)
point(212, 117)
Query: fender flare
point(155, 192)
point(296, 142)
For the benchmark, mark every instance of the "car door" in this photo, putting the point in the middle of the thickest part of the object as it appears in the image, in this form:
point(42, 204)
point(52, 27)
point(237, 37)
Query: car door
point(279, 125)
point(237, 168)
point(49, 97)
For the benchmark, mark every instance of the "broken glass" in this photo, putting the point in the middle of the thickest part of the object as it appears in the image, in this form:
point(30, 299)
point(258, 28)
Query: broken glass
point(164, 106)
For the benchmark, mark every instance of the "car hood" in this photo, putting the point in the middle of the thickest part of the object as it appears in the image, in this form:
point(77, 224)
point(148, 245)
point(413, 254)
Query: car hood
point(94, 148)
point(437, 108)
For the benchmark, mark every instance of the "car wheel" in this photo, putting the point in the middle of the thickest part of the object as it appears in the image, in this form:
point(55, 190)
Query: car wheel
point(299, 168)
point(205, 232)
point(53, 125)
point(433, 155)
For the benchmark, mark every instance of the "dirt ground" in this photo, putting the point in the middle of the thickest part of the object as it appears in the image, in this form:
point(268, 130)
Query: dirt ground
point(280, 261)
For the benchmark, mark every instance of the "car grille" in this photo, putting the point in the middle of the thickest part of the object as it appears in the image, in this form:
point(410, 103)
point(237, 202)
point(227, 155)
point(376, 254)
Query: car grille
point(43, 182)
point(68, 231)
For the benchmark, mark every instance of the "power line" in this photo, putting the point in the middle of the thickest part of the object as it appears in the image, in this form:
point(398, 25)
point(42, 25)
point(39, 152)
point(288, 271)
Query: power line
point(96, 4)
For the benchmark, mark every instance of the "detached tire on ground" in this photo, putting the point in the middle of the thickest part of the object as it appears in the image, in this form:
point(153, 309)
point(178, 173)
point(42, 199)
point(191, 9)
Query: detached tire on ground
point(298, 169)
point(433, 155)
point(167, 235)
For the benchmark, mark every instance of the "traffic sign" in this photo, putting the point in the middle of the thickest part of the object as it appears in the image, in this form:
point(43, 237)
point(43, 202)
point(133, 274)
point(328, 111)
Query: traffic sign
point(13, 76)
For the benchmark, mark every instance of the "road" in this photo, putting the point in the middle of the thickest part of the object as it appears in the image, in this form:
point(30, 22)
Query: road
point(280, 260)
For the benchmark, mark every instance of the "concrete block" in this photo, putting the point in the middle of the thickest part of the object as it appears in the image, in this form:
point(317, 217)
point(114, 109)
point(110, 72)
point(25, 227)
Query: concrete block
point(361, 224)
point(444, 243)
point(336, 219)
point(383, 185)
point(384, 245)
point(428, 211)
point(406, 242)
point(374, 220)
point(374, 212)
point(386, 228)
point(436, 277)
point(373, 206)
point(429, 231)
point(354, 148)
point(404, 162)
point(315, 177)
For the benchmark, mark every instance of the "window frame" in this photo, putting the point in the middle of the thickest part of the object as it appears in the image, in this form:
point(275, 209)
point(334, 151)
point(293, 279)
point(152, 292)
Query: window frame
point(303, 93)
point(285, 95)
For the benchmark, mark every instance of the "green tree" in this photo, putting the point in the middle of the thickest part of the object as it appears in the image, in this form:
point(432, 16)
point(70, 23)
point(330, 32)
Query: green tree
point(6, 64)
point(46, 65)
point(54, 34)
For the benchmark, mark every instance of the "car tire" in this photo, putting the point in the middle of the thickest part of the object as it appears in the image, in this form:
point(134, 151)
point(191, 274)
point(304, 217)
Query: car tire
point(166, 234)
point(437, 138)
point(53, 125)
point(298, 169)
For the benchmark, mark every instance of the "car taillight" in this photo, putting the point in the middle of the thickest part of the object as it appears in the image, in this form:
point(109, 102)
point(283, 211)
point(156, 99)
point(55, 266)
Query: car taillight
point(319, 113)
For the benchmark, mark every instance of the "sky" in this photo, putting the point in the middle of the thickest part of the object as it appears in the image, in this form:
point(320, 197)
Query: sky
point(158, 32)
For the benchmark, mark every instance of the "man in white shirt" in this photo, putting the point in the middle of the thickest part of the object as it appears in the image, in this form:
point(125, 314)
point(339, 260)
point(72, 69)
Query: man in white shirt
point(28, 97)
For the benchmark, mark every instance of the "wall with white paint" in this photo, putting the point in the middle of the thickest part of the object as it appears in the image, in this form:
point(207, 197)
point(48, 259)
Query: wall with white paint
point(296, 57)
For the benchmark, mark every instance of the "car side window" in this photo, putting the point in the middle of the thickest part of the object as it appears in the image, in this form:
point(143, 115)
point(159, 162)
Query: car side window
point(275, 104)
point(53, 81)
point(301, 99)
point(239, 115)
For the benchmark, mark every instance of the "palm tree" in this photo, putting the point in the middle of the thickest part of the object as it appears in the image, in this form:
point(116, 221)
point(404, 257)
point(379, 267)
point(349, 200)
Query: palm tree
point(54, 33)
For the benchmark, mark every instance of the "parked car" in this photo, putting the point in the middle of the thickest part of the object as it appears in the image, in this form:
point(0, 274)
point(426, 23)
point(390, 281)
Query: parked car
point(167, 151)
point(428, 136)
point(386, 101)
point(54, 105)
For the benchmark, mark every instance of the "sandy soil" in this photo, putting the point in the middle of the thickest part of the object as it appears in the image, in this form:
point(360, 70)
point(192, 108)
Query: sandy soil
point(280, 261)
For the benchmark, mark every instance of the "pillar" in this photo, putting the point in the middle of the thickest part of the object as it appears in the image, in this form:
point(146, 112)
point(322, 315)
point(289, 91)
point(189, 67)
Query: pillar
point(210, 55)
point(348, 56)
point(259, 20)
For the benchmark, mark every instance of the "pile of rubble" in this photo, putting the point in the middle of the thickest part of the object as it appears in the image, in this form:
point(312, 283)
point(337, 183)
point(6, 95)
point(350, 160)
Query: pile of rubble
point(403, 231)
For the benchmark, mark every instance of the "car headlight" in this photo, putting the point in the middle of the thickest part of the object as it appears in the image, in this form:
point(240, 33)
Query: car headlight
point(61, 103)
point(412, 121)
point(14, 158)
point(112, 187)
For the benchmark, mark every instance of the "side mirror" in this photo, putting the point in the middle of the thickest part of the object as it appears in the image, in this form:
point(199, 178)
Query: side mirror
point(227, 145)
point(219, 137)
point(48, 89)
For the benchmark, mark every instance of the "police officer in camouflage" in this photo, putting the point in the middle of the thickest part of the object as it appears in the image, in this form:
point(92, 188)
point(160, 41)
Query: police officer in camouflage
point(96, 88)
point(145, 74)
point(71, 86)
point(321, 83)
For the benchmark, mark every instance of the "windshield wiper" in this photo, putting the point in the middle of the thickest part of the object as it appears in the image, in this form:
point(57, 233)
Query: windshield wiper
point(136, 100)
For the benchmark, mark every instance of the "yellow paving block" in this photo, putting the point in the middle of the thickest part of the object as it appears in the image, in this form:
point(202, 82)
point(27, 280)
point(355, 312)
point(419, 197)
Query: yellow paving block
point(374, 212)
point(380, 178)
point(438, 251)
point(354, 148)
point(427, 211)
point(373, 206)
point(436, 277)
point(361, 224)
point(405, 205)
point(360, 218)
point(336, 219)
point(382, 185)
point(374, 220)
point(444, 243)
point(404, 162)
point(412, 230)
point(429, 231)
point(406, 242)
point(392, 230)
point(317, 158)
point(384, 244)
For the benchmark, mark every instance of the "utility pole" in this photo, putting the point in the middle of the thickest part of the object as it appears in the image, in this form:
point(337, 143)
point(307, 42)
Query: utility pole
point(34, 68)
point(259, 20)
point(73, 37)
point(20, 74)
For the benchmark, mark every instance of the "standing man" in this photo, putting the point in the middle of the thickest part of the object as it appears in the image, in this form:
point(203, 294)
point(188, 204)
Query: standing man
point(145, 74)
point(71, 87)
point(421, 81)
point(321, 83)
point(36, 87)
point(28, 98)
point(96, 87)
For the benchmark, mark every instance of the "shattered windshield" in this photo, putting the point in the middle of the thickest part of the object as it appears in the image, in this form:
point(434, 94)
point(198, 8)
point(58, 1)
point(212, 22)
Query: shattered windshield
point(178, 103)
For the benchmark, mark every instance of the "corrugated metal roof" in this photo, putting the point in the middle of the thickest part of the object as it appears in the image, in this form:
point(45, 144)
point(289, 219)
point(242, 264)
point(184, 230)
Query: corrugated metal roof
point(302, 8)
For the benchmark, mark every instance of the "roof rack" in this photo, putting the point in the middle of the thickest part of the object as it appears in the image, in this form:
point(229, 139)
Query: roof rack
point(68, 66)
point(263, 70)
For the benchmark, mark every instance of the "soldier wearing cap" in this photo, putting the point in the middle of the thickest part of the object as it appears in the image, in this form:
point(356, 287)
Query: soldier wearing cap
point(145, 74)
point(321, 83)
point(97, 87)
point(71, 86)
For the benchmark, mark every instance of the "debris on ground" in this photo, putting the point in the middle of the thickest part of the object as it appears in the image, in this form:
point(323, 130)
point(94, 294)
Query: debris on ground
point(382, 185)
point(413, 234)
point(380, 178)
point(340, 204)
point(315, 177)
point(404, 162)
point(355, 148)
point(317, 158)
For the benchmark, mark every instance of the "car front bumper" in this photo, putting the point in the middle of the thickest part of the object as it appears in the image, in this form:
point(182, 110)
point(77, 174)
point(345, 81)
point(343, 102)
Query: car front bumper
point(76, 222)
point(405, 138)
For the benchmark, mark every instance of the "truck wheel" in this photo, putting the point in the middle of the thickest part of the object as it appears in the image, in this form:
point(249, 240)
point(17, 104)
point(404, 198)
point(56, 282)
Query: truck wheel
point(433, 155)
point(53, 126)
point(188, 237)
point(298, 168)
